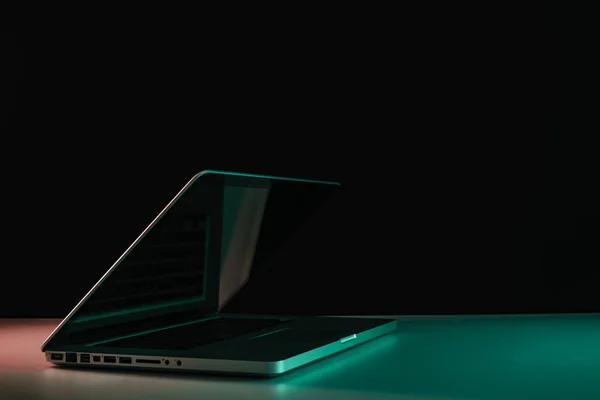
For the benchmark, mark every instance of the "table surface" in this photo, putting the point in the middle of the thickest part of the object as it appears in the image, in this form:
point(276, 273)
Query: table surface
point(428, 358)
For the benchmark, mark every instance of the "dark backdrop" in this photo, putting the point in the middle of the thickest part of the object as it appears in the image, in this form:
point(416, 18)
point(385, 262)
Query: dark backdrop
point(464, 192)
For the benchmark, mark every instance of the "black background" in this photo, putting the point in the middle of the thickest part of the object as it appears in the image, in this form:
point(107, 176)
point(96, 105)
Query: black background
point(466, 192)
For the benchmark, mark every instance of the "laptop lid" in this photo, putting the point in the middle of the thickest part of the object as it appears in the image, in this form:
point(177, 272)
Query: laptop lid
point(223, 242)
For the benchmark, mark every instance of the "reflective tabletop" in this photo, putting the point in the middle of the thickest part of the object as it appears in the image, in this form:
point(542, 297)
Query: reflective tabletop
point(435, 358)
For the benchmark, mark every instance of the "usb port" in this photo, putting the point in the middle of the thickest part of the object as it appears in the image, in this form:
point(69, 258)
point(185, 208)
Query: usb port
point(110, 359)
point(56, 357)
point(97, 358)
point(84, 358)
point(124, 360)
point(71, 357)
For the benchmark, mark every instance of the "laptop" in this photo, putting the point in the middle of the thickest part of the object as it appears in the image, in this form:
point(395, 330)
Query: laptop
point(219, 282)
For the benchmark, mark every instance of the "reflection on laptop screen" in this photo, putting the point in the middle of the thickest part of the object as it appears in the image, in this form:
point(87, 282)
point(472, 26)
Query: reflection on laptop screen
point(228, 242)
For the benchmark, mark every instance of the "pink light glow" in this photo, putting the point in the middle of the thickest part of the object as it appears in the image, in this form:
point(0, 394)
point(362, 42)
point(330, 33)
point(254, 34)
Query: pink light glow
point(21, 341)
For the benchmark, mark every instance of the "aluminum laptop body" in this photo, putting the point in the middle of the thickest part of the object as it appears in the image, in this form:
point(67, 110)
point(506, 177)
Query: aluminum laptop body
point(219, 282)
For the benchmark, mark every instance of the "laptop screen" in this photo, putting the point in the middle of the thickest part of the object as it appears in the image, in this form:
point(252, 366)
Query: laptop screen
point(228, 242)
point(275, 234)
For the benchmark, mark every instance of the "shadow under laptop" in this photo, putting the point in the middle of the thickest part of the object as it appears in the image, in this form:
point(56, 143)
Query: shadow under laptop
point(160, 374)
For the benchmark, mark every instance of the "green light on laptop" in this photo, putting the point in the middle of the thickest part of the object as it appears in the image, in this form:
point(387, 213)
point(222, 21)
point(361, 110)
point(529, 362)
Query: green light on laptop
point(137, 309)
point(151, 331)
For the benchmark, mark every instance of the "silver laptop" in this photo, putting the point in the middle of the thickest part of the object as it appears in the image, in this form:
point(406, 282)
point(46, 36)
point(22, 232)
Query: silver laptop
point(217, 283)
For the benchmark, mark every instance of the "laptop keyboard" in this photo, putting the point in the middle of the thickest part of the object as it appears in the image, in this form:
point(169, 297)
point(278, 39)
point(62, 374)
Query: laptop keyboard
point(197, 334)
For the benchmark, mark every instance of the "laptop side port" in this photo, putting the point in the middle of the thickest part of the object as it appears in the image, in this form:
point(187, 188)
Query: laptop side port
point(57, 357)
point(110, 359)
point(124, 360)
point(97, 359)
point(71, 357)
point(84, 358)
point(146, 361)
